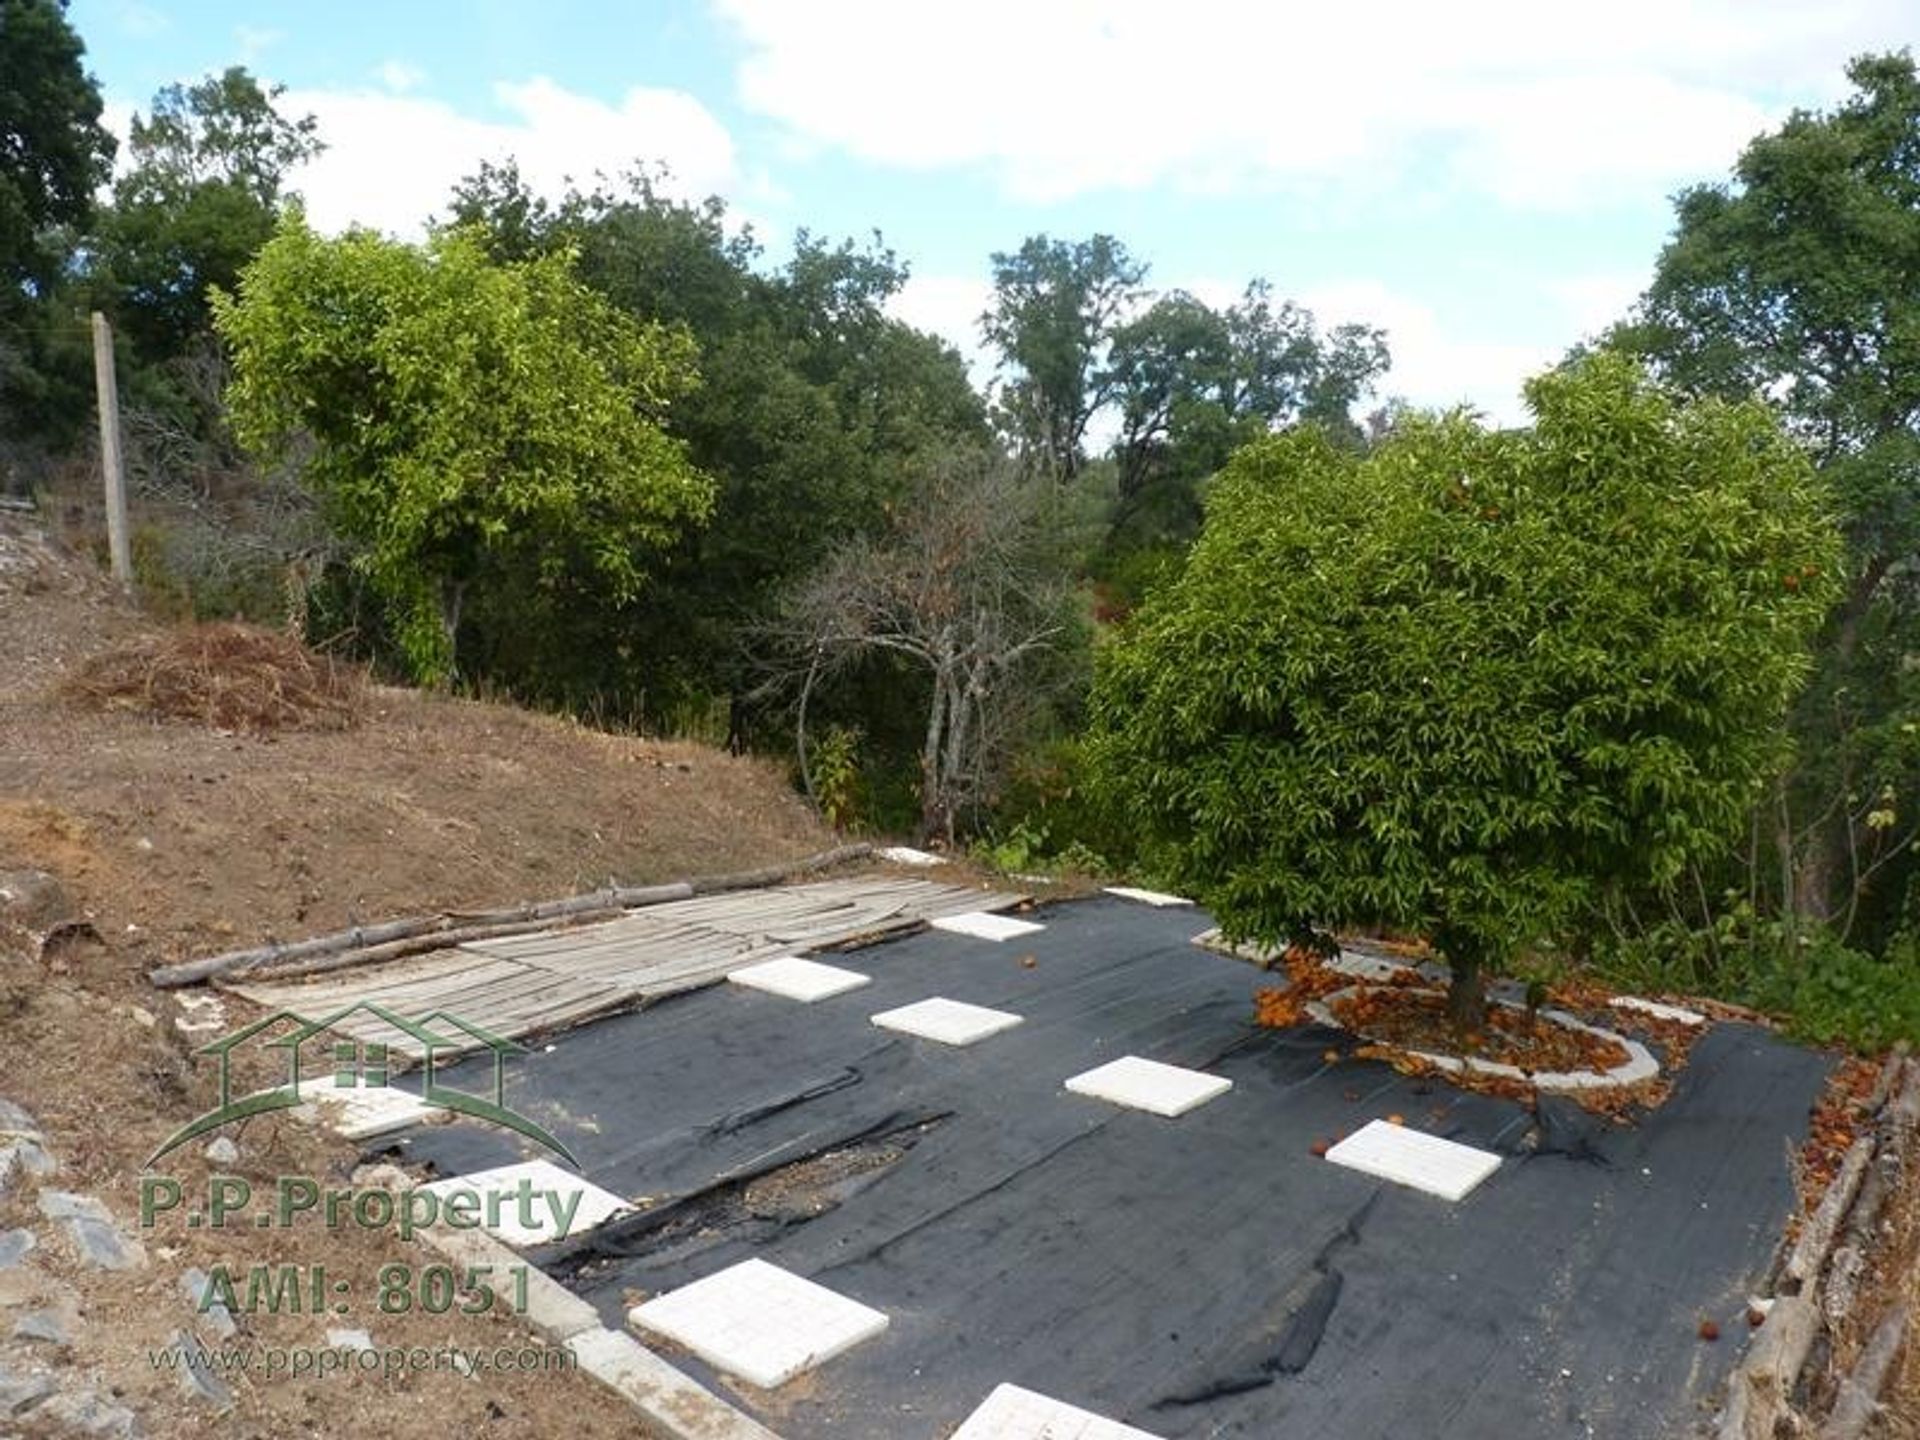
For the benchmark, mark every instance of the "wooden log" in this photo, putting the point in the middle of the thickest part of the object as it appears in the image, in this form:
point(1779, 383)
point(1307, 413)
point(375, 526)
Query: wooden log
point(1889, 1077)
point(1760, 1393)
point(774, 874)
point(1859, 1399)
point(362, 937)
point(412, 945)
point(1809, 1254)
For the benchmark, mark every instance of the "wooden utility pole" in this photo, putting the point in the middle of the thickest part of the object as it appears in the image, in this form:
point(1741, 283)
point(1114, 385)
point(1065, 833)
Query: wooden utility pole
point(107, 389)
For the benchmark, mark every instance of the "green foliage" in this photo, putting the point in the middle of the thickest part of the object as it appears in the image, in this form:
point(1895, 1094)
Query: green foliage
point(1465, 683)
point(201, 196)
point(1826, 992)
point(814, 404)
point(1024, 848)
point(834, 767)
point(57, 152)
point(54, 154)
point(1055, 304)
point(1801, 281)
point(1193, 384)
point(1051, 796)
point(469, 422)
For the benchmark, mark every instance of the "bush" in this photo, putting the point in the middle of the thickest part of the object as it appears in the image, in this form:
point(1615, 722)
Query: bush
point(1823, 992)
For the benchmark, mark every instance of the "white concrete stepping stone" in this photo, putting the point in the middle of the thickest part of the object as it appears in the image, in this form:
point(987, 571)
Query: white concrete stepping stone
point(802, 980)
point(1011, 1413)
point(1142, 1084)
point(759, 1322)
point(1411, 1157)
point(1156, 898)
point(548, 1188)
point(907, 855)
point(985, 926)
point(951, 1022)
point(360, 1112)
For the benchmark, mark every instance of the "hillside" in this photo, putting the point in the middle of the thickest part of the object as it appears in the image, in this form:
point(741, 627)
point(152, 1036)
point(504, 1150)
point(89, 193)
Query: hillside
point(174, 840)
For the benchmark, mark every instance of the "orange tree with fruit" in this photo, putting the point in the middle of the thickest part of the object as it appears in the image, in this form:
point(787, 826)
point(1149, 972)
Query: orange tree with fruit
point(1468, 680)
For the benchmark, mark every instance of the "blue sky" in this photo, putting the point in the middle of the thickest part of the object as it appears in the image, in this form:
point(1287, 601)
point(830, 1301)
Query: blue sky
point(1489, 180)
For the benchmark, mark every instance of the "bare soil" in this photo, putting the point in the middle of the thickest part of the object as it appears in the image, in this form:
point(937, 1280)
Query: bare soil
point(174, 840)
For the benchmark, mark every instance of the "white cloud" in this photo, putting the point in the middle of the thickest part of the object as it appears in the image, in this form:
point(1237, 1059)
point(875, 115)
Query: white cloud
point(1593, 302)
point(949, 306)
point(400, 77)
point(254, 41)
point(139, 20)
point(392, 160)
point(1531, 104)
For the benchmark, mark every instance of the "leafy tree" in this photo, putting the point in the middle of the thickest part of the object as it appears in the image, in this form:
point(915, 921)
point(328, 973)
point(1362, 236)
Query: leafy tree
point(201, 196)
point(1800, 281)
point(814, 403)
point(1193, 384)
point(1466, 682)
point(56, 151)
point(54, 154)
point(1055, 306)
point(468, 420)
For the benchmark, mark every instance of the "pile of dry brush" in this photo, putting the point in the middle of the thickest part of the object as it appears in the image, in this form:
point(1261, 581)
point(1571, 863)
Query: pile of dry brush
point(228, 676)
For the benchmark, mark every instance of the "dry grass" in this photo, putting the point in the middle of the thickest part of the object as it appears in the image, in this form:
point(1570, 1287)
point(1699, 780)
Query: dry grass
point(226, 676)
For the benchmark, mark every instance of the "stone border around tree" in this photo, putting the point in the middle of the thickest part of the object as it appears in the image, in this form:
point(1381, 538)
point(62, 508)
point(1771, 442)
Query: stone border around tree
point(1638, 1066)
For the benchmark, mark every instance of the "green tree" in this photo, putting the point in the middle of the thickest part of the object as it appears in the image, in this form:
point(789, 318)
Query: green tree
point(814, 403)
point(1469, 680)
point(1800, 281)
point(1193, 384)
point(468, 421)
point(1055, 306)
point(54, 154)
point(201, 196)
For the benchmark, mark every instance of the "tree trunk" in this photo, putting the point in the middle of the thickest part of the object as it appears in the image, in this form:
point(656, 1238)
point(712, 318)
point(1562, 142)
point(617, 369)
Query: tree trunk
point(453, 595)
point(953, 765)
point(1467, 991)
point(1467, 996)
point(932, 791)
point(1817, 877)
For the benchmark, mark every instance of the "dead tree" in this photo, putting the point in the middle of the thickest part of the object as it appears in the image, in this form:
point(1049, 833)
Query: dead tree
point(968, 585)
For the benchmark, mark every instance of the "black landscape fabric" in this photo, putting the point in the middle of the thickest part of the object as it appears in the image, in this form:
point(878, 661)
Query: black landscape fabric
point(1201, 1276)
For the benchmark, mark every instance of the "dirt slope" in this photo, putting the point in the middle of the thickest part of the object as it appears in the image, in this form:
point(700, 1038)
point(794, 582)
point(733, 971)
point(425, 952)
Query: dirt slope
point(176, 841)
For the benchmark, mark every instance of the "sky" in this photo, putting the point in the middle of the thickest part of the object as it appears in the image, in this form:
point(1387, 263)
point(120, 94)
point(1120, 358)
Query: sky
point(1489, 180)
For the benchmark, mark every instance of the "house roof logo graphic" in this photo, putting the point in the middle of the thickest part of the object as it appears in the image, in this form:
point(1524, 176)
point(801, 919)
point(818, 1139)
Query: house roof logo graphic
point(365, 1061)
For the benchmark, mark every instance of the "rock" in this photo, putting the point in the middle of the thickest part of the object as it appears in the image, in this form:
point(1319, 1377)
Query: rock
point(215, 1316)
point(223, 1151)
point(196, 1375)
point(14, 1245)
point(23, 1157)
point(91, 1227)
point(20, 1392)
point(349, 1340)
point(54, 1327)
point(91, 1413)
point(16, 1123)
point(33, 900)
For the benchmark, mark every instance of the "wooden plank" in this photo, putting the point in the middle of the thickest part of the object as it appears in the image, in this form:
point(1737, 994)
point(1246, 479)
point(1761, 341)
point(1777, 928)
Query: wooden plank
point(546, 980)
